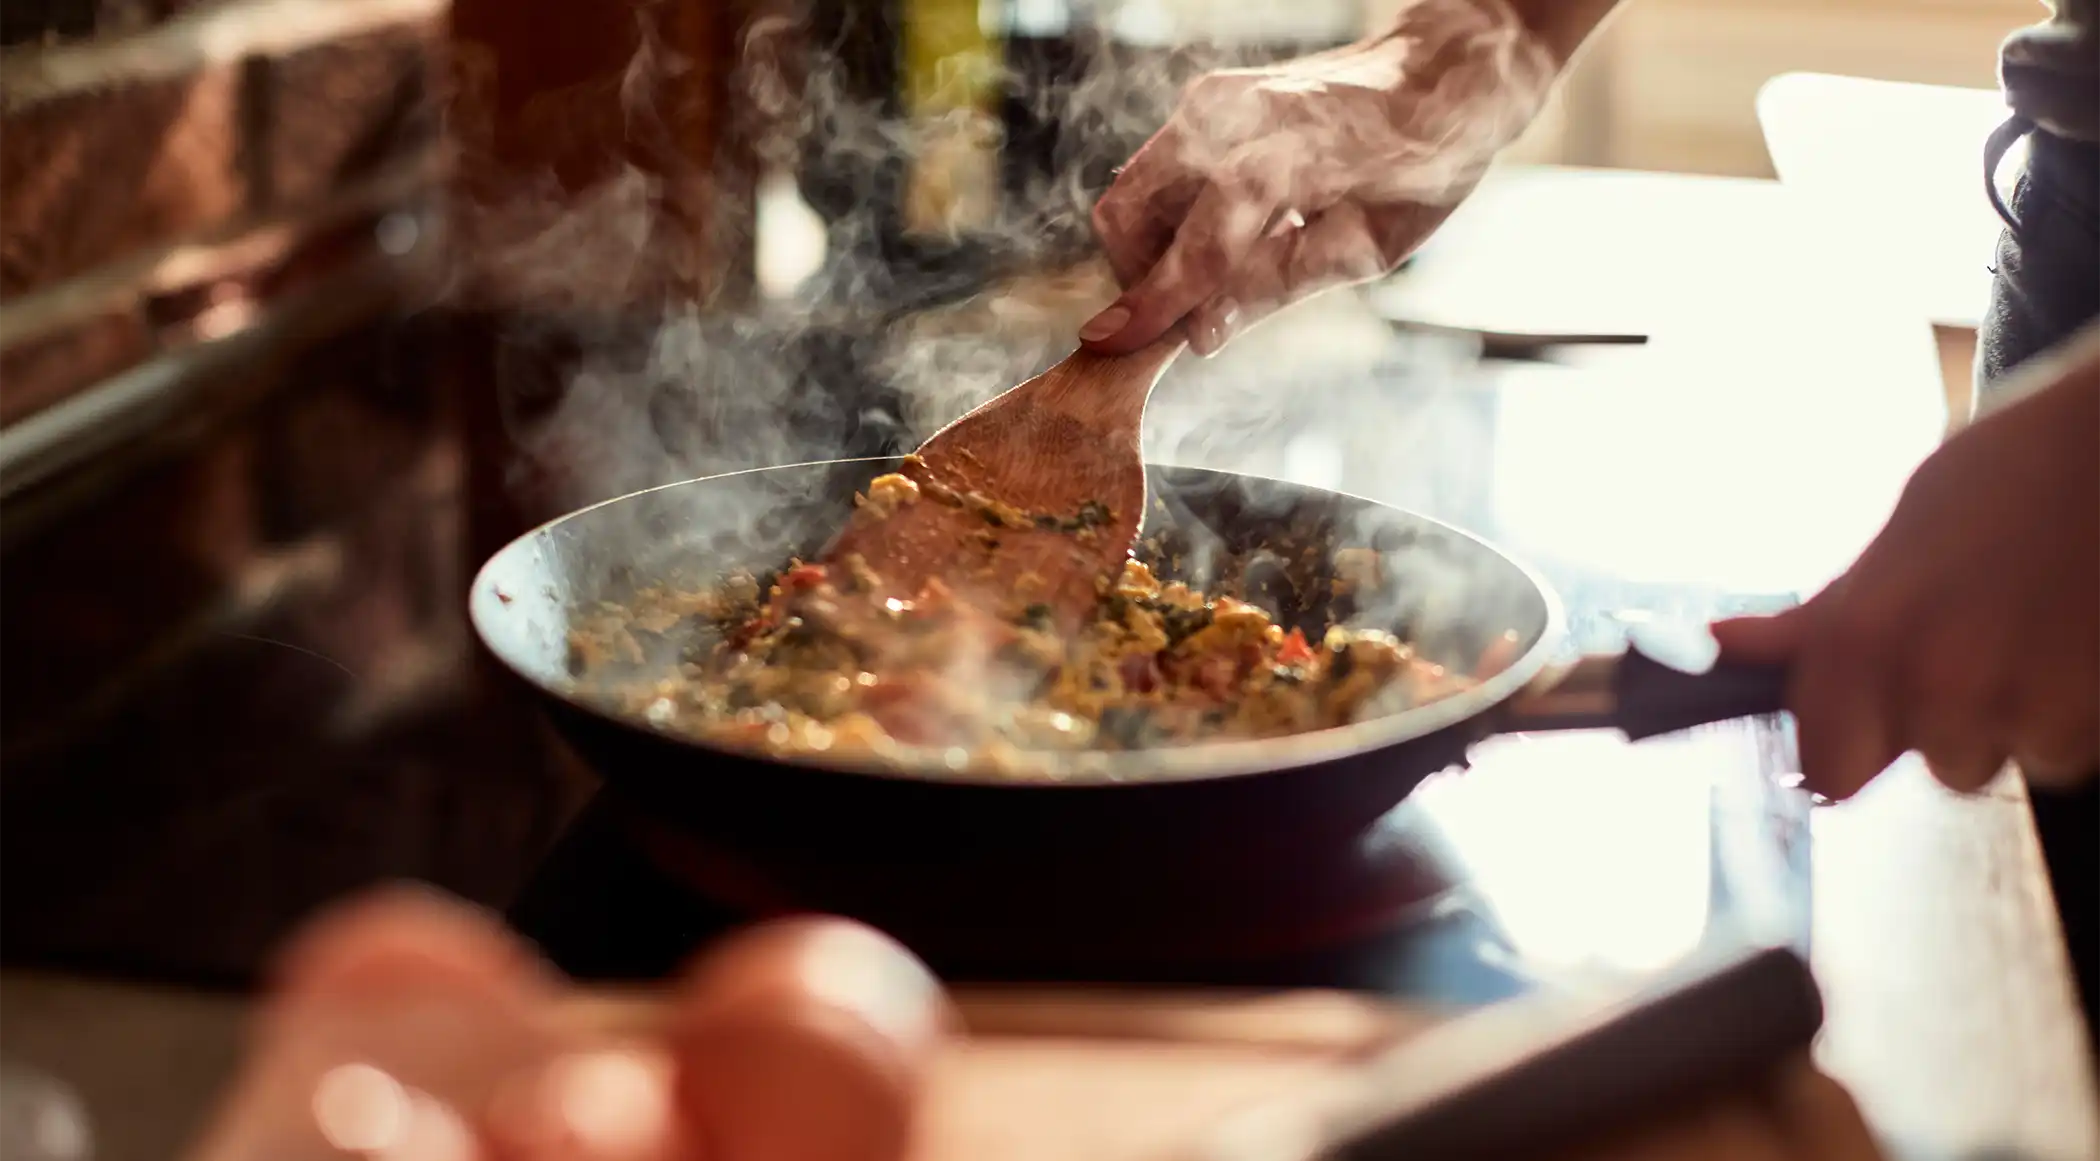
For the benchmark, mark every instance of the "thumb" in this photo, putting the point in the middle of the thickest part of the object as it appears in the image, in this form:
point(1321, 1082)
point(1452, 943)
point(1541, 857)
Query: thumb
point(1766, 640)
point(1228, 221)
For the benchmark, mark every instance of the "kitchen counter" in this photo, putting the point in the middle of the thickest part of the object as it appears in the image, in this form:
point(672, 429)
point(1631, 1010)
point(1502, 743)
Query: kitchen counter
point(1747, 450)
point(1793, 396)
point(1951, 1012)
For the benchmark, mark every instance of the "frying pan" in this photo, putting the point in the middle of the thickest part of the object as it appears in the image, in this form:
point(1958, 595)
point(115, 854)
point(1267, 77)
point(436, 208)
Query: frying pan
point(1154, 844)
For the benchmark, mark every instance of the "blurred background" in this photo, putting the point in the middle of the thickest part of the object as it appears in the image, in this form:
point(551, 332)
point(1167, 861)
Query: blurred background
point(1672, 85)
point(310, 304)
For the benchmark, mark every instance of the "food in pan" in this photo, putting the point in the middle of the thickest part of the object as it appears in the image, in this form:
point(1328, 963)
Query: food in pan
point(823, 660)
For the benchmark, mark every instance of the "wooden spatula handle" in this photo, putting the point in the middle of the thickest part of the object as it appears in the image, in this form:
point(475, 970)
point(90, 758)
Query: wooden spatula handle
point(1075, 380)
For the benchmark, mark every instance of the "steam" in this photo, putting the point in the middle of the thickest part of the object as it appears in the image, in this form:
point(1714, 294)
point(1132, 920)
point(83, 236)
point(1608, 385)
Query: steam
point(880, 346)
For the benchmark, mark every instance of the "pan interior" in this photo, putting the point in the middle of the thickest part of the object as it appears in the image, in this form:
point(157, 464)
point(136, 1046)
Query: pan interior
point(1268, 542)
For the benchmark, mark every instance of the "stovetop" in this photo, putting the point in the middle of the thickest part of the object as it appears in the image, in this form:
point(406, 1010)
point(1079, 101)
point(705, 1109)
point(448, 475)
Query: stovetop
point(345, 733)
point(292, 710)
point(1552, 861)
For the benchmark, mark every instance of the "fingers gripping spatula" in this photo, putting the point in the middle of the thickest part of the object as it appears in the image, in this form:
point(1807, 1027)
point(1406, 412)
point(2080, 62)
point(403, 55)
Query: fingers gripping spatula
point(1030, 500)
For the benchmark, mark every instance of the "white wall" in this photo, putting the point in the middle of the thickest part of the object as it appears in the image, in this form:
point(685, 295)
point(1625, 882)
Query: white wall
point(1672, 84)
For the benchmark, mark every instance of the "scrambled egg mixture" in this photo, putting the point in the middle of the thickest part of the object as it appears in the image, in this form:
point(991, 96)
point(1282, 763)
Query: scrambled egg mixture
point(818, 662)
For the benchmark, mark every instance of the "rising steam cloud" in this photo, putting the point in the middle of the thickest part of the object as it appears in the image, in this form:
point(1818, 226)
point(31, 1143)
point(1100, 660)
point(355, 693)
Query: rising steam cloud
point(877, 349)
point(849, 363)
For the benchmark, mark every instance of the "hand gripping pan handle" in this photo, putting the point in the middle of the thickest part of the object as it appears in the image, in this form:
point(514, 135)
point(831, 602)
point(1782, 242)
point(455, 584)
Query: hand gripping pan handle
point(1643, 696)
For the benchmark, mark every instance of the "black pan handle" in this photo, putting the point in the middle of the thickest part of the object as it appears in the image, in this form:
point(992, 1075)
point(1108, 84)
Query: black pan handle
point(1634, 692)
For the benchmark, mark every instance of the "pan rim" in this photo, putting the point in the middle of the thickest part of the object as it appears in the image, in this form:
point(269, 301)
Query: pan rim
point(1202, 762)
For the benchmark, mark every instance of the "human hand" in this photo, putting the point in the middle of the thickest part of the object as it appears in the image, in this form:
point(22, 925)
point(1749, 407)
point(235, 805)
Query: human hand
point(407, 1028)
point(1269, 185)
point(1969, 630)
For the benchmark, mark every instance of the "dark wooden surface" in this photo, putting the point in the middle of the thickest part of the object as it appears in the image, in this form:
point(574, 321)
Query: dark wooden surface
point(143, 156)
point(90, 176)
point(253, 655)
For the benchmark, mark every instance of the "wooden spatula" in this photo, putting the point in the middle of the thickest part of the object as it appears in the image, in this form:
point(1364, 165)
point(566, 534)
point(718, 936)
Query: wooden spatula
point(1028, 501)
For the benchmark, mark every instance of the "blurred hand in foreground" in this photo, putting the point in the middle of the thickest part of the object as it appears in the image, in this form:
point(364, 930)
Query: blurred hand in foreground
point(405, 1027)
point(1969, 630)
point(1269, 185)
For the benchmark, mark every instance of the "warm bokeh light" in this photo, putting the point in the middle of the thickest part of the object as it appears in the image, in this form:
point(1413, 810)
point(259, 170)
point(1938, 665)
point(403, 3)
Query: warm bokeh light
point(434, 1132)
point(615, 1103)
point(360, 1109)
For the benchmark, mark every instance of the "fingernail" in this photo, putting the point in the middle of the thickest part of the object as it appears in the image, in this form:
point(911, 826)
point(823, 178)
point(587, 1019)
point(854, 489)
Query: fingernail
point(1215, 328)
point(1105, 324)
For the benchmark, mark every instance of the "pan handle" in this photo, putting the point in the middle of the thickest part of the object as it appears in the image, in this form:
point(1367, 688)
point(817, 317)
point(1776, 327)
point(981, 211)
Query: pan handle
point(1642, 696)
